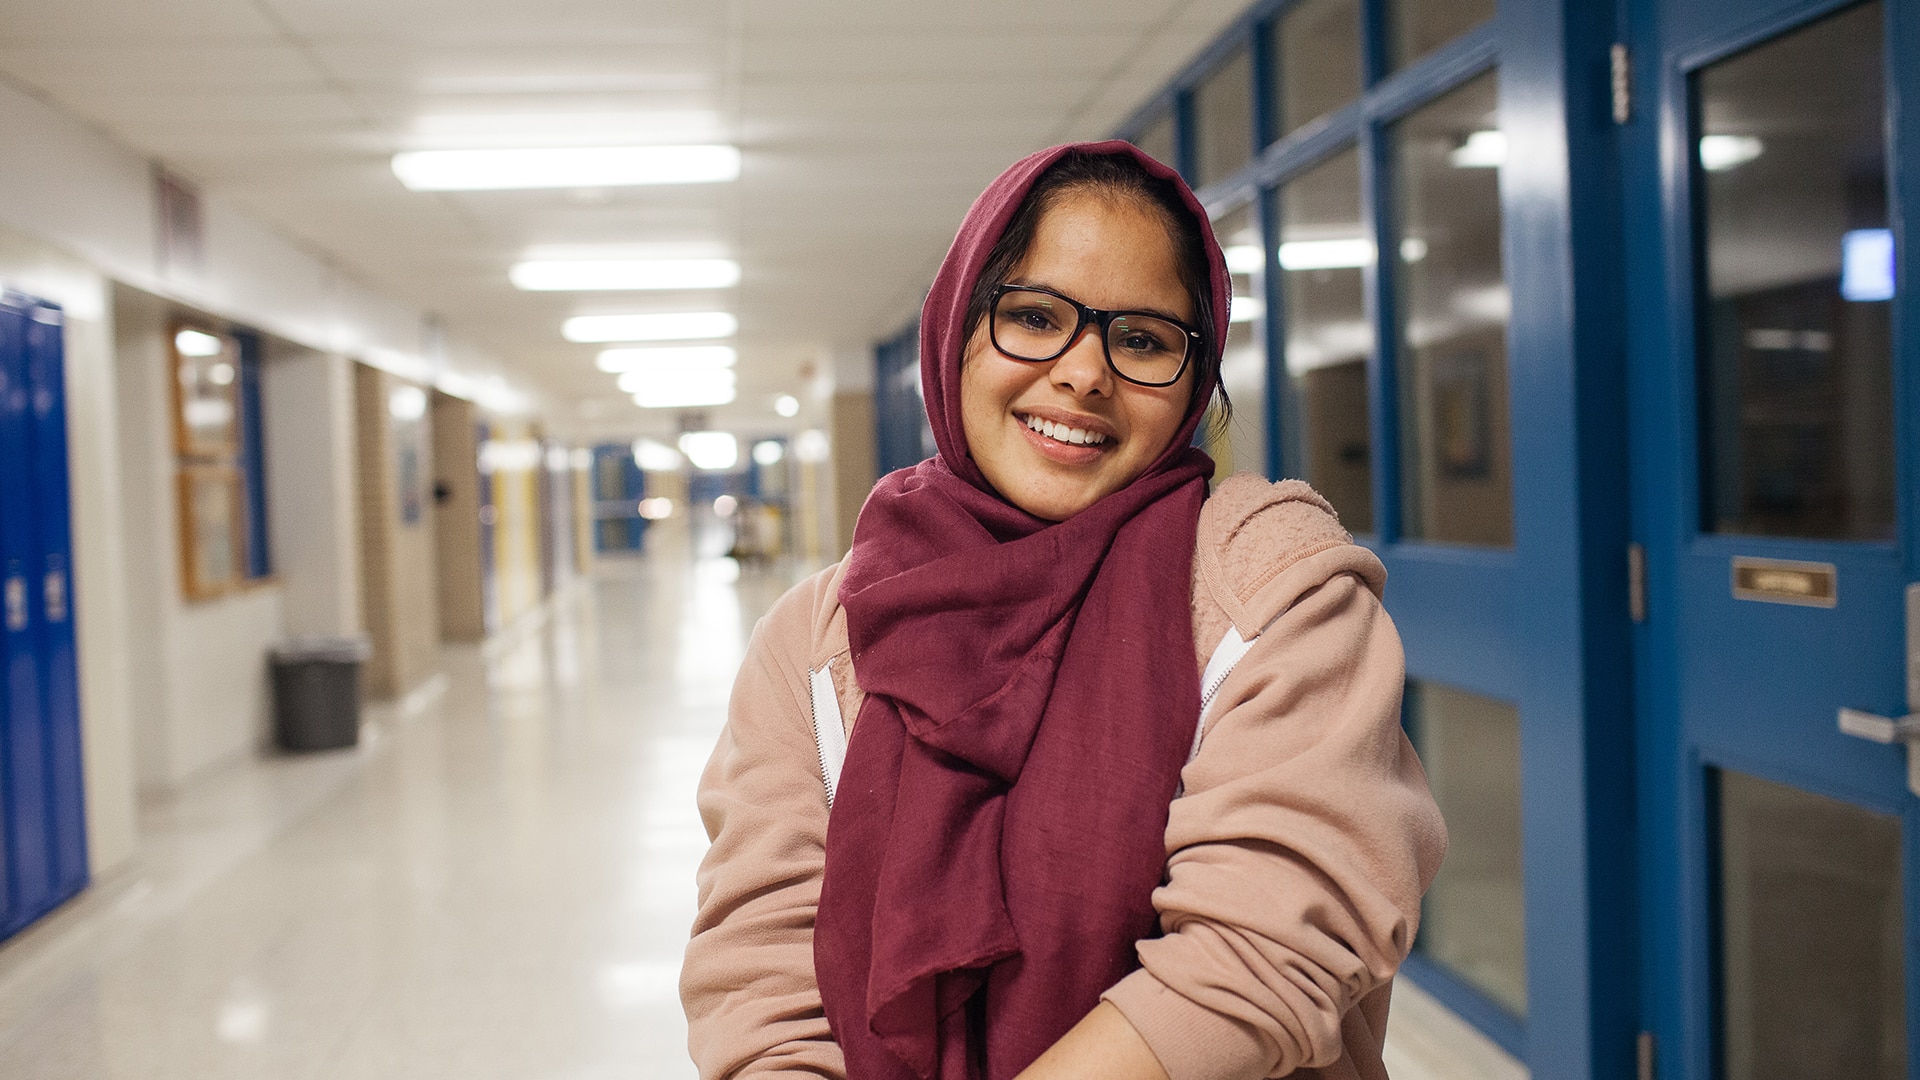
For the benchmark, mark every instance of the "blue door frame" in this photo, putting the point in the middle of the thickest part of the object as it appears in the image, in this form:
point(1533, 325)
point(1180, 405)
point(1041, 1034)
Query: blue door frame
point(1727, 683)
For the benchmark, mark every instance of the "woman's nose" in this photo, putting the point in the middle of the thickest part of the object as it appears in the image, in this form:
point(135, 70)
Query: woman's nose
point(1082, 369)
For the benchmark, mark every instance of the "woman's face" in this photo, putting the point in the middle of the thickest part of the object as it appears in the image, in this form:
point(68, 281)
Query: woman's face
point(1107, 254)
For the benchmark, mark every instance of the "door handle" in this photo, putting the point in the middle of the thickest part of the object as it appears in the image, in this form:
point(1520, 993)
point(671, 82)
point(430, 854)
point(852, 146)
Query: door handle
point(1887, 730)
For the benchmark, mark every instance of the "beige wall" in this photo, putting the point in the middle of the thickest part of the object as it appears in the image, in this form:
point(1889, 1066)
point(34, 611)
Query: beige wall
point(516, 535)
point(456, 520)
point(398, 585)
point(855, 462)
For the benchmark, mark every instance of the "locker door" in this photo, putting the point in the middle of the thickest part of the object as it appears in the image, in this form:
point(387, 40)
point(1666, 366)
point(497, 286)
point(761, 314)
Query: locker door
point(53, 593)
point(23, 809)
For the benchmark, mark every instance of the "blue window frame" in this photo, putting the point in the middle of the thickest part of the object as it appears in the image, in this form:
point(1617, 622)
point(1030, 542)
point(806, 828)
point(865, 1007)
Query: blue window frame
point(253, 458)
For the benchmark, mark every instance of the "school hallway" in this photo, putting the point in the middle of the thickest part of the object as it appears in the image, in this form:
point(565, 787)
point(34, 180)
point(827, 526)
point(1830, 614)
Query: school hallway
point(497, 883)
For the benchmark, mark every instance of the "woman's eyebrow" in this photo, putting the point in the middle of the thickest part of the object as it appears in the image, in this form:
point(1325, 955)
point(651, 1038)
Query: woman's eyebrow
point(1029, 283)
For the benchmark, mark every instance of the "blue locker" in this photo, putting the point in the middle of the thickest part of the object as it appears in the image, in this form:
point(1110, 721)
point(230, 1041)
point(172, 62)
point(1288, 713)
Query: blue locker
point(42, 826)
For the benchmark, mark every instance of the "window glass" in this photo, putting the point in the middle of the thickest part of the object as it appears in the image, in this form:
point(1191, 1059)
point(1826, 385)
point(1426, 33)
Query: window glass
point(1243, 446)
point(1316, 50)
point(1473, 920)
point(1324, 255)
point(1417, 27)
point(1796, 327)
point(1223, 119)
point(1157, 140)
point(1812, 976)
point(1452, 310)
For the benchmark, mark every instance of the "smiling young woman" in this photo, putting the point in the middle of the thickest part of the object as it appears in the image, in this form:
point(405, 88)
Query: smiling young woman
point(991, 801)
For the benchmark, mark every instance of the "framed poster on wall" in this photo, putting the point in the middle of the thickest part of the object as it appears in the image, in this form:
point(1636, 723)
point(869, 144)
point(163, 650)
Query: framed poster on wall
point(213, 548)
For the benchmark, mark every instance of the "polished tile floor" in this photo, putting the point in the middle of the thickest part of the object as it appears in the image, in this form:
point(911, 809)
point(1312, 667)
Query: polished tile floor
point(496, 884)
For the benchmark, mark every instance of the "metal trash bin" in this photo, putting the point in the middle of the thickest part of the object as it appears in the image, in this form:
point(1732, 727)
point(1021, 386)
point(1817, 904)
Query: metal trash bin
point(316, 692)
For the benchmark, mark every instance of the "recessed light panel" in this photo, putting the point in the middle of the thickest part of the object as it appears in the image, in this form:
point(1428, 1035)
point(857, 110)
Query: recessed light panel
point(565, 167)
point(667, 326)
point(586, 275)
point(708, 357)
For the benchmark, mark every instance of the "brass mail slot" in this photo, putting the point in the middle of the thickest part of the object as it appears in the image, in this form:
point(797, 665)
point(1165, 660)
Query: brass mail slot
point(1782, 581)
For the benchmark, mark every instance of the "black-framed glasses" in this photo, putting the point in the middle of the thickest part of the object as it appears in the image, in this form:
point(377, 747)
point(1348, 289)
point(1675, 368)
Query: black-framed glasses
point(1036, 324)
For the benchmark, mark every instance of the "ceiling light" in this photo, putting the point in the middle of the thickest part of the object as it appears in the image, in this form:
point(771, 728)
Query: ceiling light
point(584, 275)
point(769, 452)
point(811, 446)
point(710, 450)
point(1246, 309)
point(196, 343)
point(407, 403)
point(679, 390)
point(1481, 150)
point(1867, 265)
point(703, 357)
point(1345, 254)
point(640, 380)
point(658, 508)
point(787, 405)
point(674, 326)
point(564, 167)
point(1718, 153)
point(655, 457)
point(1246, 259)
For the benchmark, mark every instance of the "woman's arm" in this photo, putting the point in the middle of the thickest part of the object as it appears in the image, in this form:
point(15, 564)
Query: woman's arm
point(753, 1006)
point(1103, 1046)
point(1299, 851)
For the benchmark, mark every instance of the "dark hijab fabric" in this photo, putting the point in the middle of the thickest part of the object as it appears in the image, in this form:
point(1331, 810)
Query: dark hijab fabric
point(1031, 697)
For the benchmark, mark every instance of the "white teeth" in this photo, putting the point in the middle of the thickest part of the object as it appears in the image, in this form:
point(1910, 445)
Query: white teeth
point(1065, 434)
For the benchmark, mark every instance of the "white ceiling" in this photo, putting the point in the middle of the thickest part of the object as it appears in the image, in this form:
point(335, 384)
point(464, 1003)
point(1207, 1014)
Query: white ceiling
point(867, 126)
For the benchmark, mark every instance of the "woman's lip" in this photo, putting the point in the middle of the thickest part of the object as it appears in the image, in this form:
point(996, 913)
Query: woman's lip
point(1064, 453)
point(1092, 425)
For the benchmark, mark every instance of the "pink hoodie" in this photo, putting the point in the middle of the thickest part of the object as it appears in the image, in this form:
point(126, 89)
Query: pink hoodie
point(1296, 854)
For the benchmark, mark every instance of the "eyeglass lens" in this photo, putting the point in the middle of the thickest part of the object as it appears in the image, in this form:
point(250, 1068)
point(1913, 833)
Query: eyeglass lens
point(1032, 325)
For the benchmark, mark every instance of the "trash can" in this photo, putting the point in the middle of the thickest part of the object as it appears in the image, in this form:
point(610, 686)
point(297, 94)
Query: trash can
point(316, 692)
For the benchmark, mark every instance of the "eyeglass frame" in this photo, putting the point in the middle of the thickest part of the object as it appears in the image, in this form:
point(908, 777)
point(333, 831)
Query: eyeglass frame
point(1085, 314)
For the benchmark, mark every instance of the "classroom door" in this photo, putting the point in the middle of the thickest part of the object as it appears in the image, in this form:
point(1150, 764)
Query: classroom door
point(1769, 164)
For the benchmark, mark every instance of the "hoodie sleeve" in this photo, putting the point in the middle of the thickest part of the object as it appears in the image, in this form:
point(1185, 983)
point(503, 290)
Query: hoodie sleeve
point(753, 1006)
point(1298, 853)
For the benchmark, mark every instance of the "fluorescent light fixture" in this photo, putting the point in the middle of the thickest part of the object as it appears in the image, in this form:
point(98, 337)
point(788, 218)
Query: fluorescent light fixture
point(196, 343)
point(1246, 309)
point(725, 506)
point(653, 456)
point(787, 405)
point(671, 326)
point(769, 451)
point(699, 357)
point(1866, 265)
point(679, 390)
point(712, 451)
point(593, 275)
point(811, 446)
point(1481, 150)
point(1413, 249)
point(1343, 254)
point(1246, 259)
point(658, 508)
point(407, 403)
point(1719, 153)
point(662, 380)
point(564, 167)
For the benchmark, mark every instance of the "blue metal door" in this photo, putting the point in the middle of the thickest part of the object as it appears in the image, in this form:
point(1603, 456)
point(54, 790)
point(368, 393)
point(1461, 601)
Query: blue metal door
point(1768, 167)
point(41, 813)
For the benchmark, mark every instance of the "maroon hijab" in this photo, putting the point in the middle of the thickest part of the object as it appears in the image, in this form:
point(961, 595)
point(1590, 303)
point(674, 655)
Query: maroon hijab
point(1031, 696)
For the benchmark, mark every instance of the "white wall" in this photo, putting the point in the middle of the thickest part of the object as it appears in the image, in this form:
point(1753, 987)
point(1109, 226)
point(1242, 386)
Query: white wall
point(198, 668)
point(313, 523)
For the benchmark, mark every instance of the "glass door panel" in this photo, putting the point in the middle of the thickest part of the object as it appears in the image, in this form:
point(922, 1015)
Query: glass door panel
point(1324, 257)
point(1456, 477)
point(1812, 981)
point(1243, 366)
point(1796, 326)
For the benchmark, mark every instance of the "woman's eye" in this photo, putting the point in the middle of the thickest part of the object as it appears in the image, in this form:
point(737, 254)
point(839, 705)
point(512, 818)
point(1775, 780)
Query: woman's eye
point(1036, 319)
point(1142, 344)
